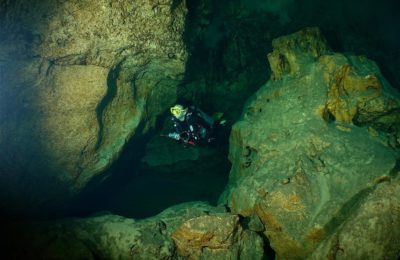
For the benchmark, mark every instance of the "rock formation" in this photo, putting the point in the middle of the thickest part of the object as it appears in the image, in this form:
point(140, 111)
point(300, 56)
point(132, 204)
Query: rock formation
point(316, 153)
point(219, 236)
point(78, 80)
point(199, 231)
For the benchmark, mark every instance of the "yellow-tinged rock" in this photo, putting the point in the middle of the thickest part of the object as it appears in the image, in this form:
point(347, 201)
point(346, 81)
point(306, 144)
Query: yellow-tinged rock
point(288, 54)
point(348, 91)
point(70, 120)
point(211, 232)
point(284, 245)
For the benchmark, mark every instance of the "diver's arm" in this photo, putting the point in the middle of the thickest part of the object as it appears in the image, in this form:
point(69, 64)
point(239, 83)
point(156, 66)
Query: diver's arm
point(174, 135)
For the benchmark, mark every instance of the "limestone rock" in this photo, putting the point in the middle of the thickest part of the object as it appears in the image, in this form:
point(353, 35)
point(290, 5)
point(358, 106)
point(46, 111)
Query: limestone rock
point(78, 80)
point(104, 236)
point(100, 33)
point(358, 99)
point(300, 159)
point(216, 237)
point(211, 232)
point(108, 236)
point(291, 53)
point(373, 230)
point(49, 132)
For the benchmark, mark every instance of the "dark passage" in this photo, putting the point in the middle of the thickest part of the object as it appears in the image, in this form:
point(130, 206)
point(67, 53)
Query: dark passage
point(154, 173)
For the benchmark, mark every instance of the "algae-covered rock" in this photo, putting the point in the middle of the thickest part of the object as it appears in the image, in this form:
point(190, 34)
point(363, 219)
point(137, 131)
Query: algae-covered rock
point(108, 236)
point(79, 79)
point(301, 158)
point(217, 237)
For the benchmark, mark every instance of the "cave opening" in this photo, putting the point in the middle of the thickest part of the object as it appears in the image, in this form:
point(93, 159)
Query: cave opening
point(154, 173)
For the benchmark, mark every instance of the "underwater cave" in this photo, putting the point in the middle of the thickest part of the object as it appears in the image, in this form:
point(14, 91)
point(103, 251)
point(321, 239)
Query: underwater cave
point(157, 172)
point(307, 158)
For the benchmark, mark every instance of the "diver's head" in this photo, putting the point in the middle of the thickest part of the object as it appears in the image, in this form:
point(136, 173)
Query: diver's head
point(178, 111)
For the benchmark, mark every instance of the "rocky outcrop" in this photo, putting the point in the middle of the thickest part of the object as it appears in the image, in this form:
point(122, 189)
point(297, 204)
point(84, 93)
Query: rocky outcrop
point(357, 99)
point(287, 57)
point(78, 80)
point(312, 154)
point(110, 236)
point(217, 237)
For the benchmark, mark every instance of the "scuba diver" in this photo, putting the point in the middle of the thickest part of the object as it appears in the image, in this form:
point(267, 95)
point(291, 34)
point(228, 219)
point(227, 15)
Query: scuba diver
point(192, 126)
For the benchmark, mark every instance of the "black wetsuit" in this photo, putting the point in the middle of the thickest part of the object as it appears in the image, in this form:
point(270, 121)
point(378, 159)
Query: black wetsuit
point(196, 127)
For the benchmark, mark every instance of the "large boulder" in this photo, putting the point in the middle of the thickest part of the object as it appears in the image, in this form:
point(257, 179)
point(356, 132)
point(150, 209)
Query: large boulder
point(315, 150)
point(78, 79)
point(218, 236)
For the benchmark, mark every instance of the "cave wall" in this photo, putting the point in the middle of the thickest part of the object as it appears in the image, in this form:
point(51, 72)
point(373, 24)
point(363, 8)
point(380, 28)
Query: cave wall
point(78, 80)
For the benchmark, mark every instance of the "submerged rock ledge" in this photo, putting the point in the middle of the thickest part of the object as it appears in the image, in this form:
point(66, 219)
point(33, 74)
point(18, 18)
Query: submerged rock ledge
point(197, 229)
